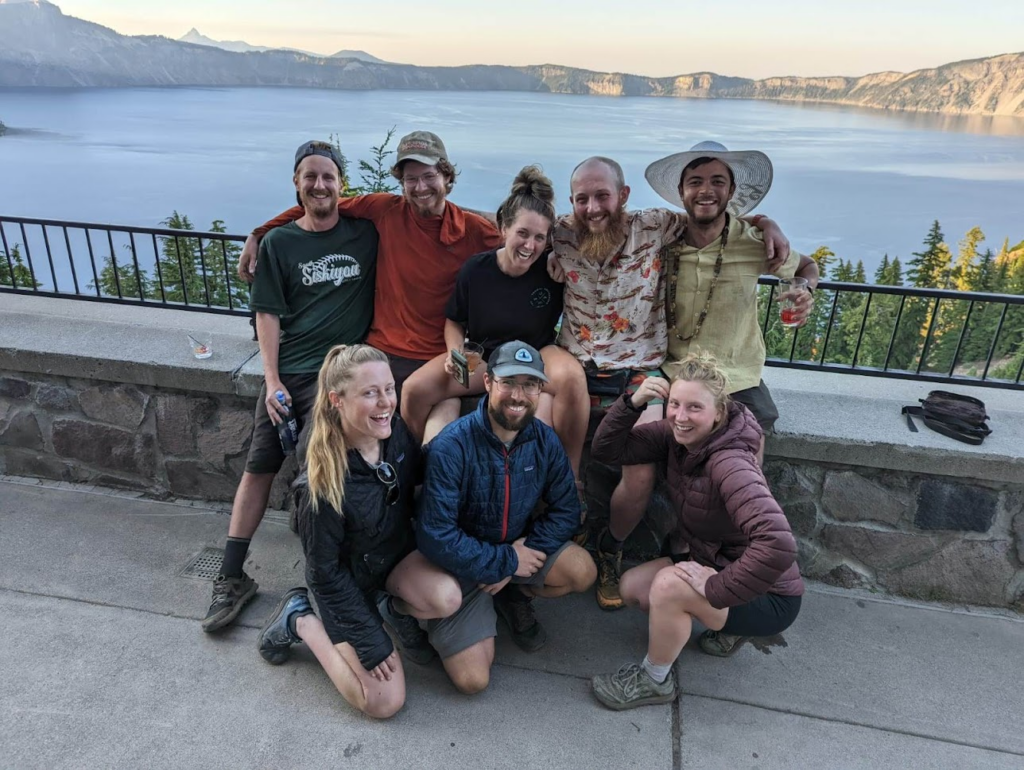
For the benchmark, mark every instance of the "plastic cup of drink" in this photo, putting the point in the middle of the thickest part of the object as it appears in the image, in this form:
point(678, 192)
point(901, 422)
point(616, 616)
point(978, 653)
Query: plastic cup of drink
point(474, 353)
point(789, 290)
point(201, 344)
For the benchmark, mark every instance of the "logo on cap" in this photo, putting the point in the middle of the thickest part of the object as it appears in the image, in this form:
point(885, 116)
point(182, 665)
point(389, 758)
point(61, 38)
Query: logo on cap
point(524, 355)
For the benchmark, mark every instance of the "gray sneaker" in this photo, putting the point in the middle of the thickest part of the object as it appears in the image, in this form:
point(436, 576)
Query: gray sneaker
point(720, 645)
point(412, 638)
point(632, 686)
point(229, 596)
point(276, 636)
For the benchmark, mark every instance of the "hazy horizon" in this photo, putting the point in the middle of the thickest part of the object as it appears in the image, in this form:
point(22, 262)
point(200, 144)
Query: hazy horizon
point(799, 35)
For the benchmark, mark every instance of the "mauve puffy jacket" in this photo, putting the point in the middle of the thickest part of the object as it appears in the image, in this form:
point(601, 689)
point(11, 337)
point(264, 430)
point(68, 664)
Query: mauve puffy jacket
point(727, 514)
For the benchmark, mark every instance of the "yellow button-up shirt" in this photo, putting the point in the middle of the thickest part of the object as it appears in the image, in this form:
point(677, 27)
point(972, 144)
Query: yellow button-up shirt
point(730, 331)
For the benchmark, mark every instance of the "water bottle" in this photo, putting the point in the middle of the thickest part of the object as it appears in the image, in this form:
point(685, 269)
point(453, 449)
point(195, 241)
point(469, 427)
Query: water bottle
point(288, 428)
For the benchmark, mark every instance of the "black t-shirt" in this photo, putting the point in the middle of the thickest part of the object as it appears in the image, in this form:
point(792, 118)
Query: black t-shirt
point(494, 308)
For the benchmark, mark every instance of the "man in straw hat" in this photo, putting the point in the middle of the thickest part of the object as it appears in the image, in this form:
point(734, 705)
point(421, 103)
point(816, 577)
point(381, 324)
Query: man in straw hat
point(614, 320)
point(711, 274)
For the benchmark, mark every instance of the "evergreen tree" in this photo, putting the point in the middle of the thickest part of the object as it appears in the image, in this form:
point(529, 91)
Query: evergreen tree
point(14, 272)
point(931, 268)
point(119, 279)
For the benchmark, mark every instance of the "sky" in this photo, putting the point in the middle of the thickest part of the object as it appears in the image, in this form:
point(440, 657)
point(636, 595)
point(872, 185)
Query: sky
point(742, 38)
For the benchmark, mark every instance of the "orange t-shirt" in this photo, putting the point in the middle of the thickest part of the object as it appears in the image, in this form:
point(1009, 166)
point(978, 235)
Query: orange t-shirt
point(417, 262)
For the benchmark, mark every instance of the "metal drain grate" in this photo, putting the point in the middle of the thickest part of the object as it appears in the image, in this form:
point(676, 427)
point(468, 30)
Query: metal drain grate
point(205, 565)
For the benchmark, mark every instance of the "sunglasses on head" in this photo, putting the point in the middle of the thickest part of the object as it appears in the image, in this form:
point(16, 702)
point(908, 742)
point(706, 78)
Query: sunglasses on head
point(387, 476)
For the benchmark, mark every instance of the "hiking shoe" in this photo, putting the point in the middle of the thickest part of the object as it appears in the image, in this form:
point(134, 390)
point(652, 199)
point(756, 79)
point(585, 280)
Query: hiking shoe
point(609, 568)
point(277, 635)
point(412, 638)
point(527, 632)
point(632, 686)
point(229, 596)
point(720, 645)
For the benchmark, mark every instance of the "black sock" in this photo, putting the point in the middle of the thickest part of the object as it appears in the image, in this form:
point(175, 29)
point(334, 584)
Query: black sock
point(514, 593)
point(235, 551)
point(607, 542)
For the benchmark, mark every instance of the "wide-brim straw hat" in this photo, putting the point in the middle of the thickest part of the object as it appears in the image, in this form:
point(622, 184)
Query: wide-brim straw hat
point(752, 170)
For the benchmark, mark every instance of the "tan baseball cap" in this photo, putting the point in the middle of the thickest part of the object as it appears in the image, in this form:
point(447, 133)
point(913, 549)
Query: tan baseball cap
point(422, 146)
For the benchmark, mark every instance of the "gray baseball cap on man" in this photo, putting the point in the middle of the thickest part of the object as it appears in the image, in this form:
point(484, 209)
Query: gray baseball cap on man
point(421, 146)
point(514, 358)
point(315, 147)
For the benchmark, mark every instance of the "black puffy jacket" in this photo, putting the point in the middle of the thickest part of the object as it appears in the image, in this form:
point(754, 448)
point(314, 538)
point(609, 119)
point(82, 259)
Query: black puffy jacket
point(349, 556)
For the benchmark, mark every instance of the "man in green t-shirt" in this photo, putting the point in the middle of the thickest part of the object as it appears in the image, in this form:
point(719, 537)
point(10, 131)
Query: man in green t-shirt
point(313, 290)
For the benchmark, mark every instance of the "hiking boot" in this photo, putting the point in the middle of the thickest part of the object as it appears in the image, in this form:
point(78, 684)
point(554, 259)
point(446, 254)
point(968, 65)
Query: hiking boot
point(632, 686)
point(527, 632)
point(278, 633)
point(412, 638)
point(229, 596)
point(609, 568)
point(720, 645)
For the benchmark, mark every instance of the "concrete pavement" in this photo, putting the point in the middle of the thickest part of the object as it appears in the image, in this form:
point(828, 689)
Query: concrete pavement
point(105, 666)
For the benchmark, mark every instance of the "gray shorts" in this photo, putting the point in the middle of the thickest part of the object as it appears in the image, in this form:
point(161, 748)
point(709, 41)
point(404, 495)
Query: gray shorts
point(476, 620)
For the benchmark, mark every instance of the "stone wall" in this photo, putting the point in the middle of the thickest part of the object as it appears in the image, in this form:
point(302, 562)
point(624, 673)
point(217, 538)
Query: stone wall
point(163, 442)
point(920, 536)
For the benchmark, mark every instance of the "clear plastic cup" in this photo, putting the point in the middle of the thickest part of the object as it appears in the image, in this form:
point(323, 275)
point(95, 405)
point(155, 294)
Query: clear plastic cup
point(789, 288)
point(474, 353)
point(201, 344)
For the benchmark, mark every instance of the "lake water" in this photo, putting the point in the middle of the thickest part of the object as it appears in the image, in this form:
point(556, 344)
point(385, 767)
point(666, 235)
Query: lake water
point(862, 182)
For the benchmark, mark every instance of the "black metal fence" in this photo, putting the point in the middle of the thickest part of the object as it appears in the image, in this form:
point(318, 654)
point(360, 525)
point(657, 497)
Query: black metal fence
point(932, 335)
point(161, 267)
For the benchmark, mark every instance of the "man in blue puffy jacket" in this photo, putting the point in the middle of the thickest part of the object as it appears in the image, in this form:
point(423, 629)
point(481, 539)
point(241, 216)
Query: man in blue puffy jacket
point(485, 475)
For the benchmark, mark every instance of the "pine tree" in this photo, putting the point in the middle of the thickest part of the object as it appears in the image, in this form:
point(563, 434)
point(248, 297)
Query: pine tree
point(14, 272)
point(931, 268)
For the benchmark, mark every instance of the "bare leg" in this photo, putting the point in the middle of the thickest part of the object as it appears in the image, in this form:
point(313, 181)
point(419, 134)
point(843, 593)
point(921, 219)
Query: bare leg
point(673, 605)
point(635, 585)
point(250, 504)
point(570, 409)
point(470, 670)
point(572, 572)
point(374, 698)
point(422, 589)
point(425, 391)
point(630, 498)
point(445, 412)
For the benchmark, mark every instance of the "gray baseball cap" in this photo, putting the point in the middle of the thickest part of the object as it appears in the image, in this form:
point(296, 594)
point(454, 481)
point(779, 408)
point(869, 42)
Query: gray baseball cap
point(316, 147)
point(516, 357)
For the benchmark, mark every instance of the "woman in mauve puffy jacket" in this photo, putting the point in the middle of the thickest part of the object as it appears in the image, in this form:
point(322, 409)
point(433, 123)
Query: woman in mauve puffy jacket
point(732, 556)
point(354, 517)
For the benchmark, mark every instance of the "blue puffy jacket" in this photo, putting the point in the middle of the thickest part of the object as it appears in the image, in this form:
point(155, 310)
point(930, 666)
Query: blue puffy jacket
point(477, 497)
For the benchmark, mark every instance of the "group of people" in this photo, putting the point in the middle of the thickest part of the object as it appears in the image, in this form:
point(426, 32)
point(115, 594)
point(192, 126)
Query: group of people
point(364, 307)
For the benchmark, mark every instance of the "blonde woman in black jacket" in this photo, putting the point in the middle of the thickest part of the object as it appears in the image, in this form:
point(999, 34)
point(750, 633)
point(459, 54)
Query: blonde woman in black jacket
point(355, 521)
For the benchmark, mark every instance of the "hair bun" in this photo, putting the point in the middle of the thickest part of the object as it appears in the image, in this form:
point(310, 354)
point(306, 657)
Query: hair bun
point(531, 181)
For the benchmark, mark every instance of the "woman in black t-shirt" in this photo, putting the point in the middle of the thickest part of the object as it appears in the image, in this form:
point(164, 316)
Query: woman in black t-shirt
point(507, 295)
point(354, 517)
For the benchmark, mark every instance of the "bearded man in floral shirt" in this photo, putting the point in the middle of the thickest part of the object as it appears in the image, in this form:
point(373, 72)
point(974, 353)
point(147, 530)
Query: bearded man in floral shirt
point(614, 316)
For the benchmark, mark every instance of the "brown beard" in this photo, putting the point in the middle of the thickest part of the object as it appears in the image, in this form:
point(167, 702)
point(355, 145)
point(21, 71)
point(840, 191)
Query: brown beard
point(600, 247)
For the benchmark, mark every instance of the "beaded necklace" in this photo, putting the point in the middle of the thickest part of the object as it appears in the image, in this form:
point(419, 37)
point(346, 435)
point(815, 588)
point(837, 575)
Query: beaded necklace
point(670, 301)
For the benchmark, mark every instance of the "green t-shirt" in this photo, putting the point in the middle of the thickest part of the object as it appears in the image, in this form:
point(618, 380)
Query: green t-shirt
point(321, 287)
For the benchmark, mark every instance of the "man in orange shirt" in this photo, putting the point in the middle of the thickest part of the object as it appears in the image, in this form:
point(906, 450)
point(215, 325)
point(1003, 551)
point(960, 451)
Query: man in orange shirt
point(424, 240)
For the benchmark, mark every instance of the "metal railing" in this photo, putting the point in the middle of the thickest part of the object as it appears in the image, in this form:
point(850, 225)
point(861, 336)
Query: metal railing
point(160, 267)
point(932, 335)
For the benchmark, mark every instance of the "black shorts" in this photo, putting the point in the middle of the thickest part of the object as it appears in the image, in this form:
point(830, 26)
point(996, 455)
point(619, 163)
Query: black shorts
point(265, 453)
point(765, 616)
point(402, 369)
point(759, 401)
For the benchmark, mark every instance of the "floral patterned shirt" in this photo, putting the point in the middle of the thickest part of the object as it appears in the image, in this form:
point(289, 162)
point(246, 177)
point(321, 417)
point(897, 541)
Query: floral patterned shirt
point(615, 311)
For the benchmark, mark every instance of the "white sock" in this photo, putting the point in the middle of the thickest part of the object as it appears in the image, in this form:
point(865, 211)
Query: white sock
point(658, 673)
